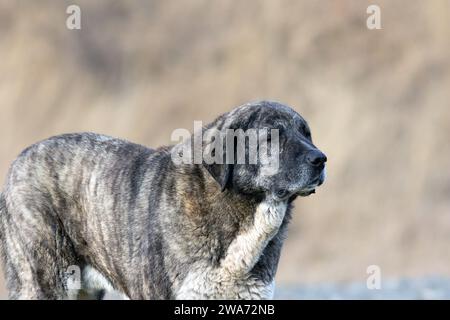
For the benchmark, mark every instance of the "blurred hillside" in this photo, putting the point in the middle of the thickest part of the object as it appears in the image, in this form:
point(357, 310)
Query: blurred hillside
point(377, 102)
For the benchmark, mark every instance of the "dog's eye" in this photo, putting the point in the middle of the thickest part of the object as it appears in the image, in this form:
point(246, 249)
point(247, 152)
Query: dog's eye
point(306, 132)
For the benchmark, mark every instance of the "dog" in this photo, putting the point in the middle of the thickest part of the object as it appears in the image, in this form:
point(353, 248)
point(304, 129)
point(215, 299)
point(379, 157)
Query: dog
point(135, 224)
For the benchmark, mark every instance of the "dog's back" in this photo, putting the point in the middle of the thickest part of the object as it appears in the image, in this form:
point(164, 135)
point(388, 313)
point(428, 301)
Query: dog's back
point(59, 194)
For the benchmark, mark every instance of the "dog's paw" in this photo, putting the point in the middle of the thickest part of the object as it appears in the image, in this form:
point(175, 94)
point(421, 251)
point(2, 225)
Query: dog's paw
point(269, 215)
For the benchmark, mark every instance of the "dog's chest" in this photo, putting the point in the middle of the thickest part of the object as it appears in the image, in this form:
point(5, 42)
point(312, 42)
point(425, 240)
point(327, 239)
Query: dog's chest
point(207, 283)
point(233, 278)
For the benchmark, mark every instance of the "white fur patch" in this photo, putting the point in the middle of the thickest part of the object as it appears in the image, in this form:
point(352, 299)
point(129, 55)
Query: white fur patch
point(206, 283)
point(232, 280)
point(94, 280)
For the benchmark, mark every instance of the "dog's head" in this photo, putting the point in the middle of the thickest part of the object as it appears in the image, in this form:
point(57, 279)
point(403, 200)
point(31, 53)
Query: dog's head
point(295, 167)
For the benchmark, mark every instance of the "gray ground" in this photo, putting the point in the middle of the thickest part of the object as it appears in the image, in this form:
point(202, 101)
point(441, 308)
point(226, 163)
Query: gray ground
point(422, 288)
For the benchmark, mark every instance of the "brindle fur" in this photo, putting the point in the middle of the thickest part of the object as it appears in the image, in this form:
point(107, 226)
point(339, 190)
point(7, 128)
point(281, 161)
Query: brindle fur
point(141, 221)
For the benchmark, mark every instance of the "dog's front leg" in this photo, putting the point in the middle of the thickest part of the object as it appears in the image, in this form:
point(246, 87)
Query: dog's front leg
point(245, 250)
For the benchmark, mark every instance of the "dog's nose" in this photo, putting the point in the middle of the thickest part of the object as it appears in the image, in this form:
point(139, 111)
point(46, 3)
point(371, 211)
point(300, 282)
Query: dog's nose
point(316, 158)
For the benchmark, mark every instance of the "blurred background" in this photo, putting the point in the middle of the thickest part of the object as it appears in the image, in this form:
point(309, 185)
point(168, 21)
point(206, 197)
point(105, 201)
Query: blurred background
point(377, 102)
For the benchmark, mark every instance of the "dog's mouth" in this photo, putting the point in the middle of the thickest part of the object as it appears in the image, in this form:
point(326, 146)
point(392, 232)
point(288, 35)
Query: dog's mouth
point(311, 188)
point(303, 190)
point(283, 194)
point(306, 193)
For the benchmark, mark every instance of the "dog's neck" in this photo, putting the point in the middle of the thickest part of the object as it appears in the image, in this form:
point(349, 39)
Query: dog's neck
point(239, 228)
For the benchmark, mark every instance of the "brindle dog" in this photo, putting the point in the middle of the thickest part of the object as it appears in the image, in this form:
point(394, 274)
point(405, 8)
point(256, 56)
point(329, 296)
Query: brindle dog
point(137, 224)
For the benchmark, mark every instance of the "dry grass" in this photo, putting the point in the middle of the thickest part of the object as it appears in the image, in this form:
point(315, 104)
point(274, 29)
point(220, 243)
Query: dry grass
point(378, 103)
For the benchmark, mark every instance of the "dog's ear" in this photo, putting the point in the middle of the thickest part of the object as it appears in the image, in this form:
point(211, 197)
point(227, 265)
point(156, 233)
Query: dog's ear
point(215, 158)
point(221, 173)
